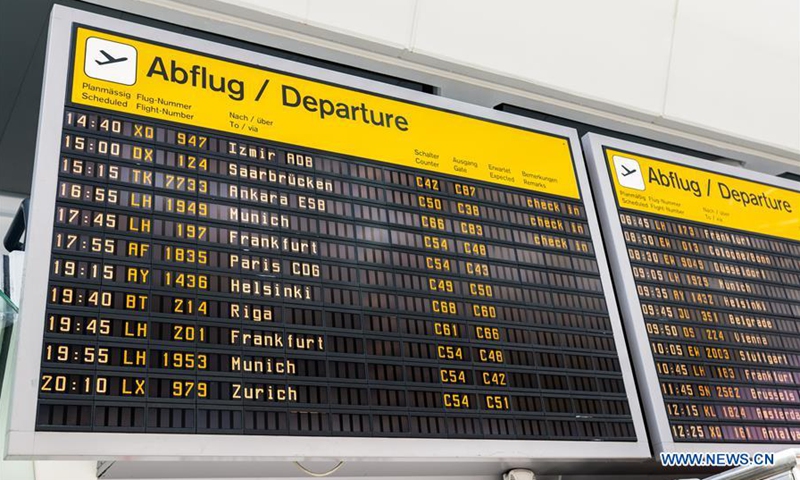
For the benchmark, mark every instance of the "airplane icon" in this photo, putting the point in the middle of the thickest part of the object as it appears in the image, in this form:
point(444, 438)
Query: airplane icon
point(110, 59)
point(629, 173)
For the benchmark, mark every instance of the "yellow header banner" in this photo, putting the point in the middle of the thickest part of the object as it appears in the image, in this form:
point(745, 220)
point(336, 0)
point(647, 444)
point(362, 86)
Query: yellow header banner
point(655, 186)
point(141, 78)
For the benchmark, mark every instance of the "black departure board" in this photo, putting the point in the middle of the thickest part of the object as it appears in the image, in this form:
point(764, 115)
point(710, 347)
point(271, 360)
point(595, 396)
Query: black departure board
point(713, 255)
point(237, 250)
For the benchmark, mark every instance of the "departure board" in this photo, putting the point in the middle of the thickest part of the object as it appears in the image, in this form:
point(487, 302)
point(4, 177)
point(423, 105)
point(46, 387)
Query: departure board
point(242, 246)
point(710, 256)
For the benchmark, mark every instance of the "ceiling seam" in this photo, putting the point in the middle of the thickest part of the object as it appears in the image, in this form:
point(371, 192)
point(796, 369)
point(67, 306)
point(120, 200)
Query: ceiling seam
point(669, 58)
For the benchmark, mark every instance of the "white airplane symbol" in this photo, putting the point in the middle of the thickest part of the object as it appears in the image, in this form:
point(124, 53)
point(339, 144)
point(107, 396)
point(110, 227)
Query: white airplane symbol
point(110, 59)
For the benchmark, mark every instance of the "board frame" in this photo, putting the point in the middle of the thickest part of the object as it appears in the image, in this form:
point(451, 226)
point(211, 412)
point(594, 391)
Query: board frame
point(25, 442)
point(638, 342)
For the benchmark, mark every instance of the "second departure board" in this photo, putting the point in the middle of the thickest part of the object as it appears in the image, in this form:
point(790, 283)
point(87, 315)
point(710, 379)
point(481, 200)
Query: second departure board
point(709, 258)
point(236, 245)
